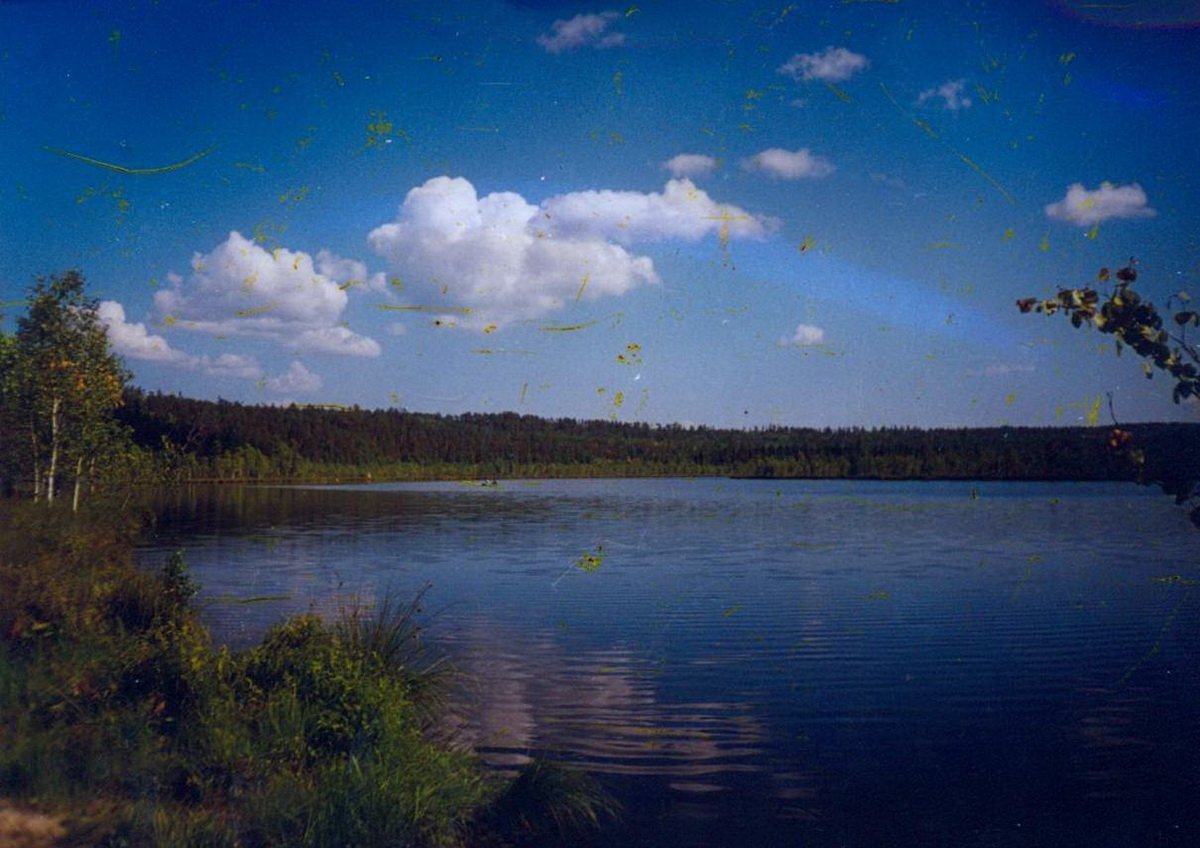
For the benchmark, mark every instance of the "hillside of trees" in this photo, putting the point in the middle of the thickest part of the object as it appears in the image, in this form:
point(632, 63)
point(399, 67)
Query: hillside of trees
point(220, 440)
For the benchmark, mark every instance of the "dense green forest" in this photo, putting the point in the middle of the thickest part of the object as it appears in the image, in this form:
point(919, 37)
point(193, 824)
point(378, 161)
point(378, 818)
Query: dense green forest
point(206, 440)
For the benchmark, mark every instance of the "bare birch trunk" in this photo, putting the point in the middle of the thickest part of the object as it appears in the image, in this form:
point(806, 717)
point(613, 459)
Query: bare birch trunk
point(78, 484)
point(55, 427)
point(37, 466)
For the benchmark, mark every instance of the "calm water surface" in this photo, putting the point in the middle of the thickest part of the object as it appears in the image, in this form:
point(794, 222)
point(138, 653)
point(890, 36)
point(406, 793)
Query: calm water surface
point(777, 663)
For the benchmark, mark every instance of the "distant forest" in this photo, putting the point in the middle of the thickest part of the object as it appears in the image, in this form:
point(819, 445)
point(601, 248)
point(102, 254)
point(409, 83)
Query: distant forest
point(196, 440)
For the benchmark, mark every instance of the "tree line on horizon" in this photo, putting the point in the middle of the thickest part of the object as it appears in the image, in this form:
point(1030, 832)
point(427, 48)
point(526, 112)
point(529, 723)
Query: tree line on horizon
point(225, 440)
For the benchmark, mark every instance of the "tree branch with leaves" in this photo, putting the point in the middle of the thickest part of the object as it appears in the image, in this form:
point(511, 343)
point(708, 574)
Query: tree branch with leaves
point(1135, 324)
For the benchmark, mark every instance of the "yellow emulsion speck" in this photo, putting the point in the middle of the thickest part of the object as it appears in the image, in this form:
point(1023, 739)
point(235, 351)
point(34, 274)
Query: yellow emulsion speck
point(632, 354)
point(591, 560)
point(841, 95)
point(258, 310)
point(725, 218)
point(560, 328)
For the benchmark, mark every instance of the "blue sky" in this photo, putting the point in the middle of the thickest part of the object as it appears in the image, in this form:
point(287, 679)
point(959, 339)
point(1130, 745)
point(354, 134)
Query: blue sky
point(726, 213)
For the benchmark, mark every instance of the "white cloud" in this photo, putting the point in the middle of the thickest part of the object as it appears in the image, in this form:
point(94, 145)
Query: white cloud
point(681, 211)
point(951, 93)
point(230, 365)
point(789, 164)
point(338, 340)
point(690, 165)
point(806, 335)
point(1084, 207)
point(241, 289)
point(348, 273)
point(506, 259)
point(297, 379)
point(133, 341)
point(833, 64)
point(582, 31)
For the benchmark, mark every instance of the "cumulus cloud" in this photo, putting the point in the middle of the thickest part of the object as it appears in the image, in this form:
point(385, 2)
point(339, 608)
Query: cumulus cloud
point(507, 259)
point(132, 340)
point(340, 341)
point(348, 273)
point(833, 64)
point(951, 94)
point(806, 335)
point(681, 211)
point(241, 289)
point(582, 31)
point(230, 365)
point(789, 164)
point(690, 165)
point(1085, 207)
point(296, 380)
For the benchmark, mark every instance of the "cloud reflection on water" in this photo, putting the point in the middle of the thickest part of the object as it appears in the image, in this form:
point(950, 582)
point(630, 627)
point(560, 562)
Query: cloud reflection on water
point(602, 710)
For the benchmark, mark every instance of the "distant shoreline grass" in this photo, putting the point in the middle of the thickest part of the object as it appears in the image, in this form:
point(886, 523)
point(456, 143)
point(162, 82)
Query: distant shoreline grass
point(122, 724)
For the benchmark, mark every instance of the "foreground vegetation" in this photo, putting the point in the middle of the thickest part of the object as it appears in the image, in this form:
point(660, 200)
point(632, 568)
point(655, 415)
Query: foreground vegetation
point(121, 724)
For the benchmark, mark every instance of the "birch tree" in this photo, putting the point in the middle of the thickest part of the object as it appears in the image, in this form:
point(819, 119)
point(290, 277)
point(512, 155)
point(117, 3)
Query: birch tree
point(67, 383)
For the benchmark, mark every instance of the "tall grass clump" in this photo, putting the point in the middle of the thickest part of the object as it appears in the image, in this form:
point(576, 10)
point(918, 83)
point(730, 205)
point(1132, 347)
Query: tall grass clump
point(550, 803)
point(119, 717)
point(388, 635)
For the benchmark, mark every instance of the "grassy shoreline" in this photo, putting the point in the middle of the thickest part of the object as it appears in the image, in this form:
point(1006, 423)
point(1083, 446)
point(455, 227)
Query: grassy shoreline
point(122, 724)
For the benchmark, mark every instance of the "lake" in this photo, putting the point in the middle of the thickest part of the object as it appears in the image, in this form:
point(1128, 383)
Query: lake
point(760, 663)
